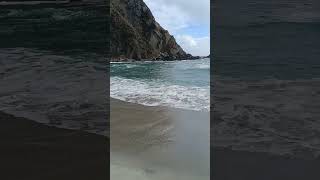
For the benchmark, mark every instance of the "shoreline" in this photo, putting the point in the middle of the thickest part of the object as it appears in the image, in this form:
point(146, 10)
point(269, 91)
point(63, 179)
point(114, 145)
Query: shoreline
point(152, 61)
point(155, 60)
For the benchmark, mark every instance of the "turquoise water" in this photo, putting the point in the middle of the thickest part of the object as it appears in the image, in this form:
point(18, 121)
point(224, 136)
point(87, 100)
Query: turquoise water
point(179, 84)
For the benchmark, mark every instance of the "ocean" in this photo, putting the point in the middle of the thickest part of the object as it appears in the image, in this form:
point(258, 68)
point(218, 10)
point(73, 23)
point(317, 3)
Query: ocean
point(266, 77)
point(177, 84)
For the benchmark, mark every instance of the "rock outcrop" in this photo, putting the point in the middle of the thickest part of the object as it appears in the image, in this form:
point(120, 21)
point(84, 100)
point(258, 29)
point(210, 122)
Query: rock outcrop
point(135, 34)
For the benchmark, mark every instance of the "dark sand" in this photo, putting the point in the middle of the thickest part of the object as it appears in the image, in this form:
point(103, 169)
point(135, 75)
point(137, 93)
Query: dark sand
point(30, 150)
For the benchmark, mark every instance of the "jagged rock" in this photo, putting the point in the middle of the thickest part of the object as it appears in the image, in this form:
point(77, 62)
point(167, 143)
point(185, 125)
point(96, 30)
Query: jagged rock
point(135, 34)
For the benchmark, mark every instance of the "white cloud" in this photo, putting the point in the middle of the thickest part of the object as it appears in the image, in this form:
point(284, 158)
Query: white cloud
point(194, 46)
point(175, 14)
point(170, 17)
point(191, 12)
point(178, 15)
point(187, 40)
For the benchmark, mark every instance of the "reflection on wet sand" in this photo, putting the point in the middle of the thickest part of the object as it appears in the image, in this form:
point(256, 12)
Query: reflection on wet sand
point(158, 142)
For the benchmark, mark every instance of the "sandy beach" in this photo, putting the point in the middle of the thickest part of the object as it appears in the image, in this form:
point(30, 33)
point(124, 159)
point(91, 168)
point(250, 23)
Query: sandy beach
point(158, 142)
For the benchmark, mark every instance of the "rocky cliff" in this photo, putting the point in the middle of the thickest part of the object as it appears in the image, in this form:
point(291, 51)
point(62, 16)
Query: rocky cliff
point(136, 35)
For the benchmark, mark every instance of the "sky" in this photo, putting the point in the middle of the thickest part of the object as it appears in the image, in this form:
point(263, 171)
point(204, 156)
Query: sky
point(187, 20)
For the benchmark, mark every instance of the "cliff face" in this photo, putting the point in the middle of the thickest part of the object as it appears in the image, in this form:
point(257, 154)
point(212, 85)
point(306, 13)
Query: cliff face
point(136, 35)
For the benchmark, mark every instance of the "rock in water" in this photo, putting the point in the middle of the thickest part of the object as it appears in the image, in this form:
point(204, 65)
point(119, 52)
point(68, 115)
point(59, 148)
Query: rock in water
point(135, 34)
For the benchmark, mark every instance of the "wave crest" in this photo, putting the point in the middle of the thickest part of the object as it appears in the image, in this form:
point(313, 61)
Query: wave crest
point(157, 93)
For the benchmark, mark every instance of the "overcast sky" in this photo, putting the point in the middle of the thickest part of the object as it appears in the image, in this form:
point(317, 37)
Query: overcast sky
point(187, 20)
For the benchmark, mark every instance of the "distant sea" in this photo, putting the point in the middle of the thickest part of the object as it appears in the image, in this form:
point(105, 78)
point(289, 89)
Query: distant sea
point(179, 84)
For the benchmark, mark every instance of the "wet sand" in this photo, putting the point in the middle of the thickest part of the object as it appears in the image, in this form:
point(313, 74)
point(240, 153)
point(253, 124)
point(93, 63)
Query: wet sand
point(30, 150)
point(158, 142)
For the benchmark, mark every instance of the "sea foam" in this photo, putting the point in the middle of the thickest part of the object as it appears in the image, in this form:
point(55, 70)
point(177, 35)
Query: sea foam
point(159, 93)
